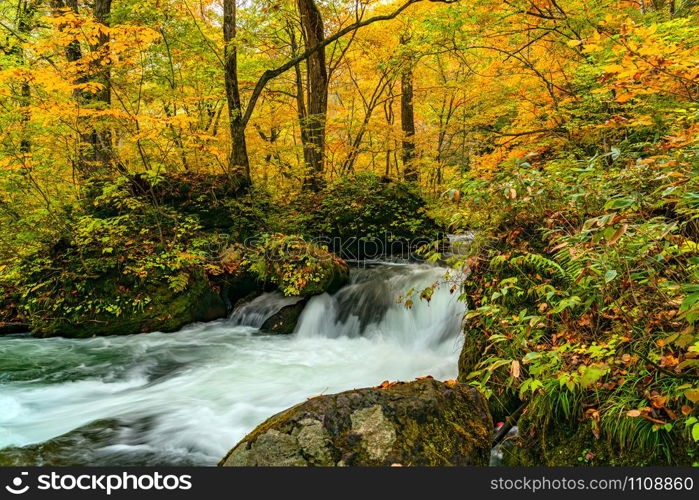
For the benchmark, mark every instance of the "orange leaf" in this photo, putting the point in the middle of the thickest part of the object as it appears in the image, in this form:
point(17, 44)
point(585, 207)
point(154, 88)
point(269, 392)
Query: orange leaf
point(659, 401)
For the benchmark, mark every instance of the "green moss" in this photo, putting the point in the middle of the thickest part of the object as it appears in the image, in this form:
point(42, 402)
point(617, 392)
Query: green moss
point(369, 207)
point(139, 255)
point(164, 309)
point(297, 267)
point(422, 423)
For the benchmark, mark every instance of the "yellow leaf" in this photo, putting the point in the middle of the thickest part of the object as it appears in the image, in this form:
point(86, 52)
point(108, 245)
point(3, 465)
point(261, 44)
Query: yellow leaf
point(515, 369)
point(692, 395)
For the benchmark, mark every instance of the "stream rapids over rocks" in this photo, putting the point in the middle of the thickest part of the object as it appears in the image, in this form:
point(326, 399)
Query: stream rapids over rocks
point(186, 398)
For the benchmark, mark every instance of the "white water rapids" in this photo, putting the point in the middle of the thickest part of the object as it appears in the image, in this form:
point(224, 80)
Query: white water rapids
point(188, 397)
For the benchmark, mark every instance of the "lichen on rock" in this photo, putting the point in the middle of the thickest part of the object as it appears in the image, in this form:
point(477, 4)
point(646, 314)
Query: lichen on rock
point(377, 432)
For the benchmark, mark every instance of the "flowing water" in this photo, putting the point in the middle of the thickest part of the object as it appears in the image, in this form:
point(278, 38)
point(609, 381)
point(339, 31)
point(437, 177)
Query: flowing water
point(187, 397)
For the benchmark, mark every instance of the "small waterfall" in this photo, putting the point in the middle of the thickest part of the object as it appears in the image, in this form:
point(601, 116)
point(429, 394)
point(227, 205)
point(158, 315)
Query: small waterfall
point(255, 312)
point(369, 307)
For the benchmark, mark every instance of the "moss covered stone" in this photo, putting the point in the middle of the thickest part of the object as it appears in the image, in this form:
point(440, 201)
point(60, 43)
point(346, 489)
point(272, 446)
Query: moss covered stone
point(369, 216)
point(86, 445)
point(164, 310)
point(297, 267)
point(139, 256)
point(421, 423)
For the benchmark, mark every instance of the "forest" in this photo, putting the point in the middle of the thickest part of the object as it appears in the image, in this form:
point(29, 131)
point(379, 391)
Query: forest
point(354, 187)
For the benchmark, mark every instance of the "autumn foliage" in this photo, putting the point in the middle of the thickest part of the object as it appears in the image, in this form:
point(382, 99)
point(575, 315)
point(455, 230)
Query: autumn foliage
point(564, 134)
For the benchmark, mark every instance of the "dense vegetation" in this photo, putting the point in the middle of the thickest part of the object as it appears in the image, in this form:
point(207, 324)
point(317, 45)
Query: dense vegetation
point(583, 278)
point(160, 154)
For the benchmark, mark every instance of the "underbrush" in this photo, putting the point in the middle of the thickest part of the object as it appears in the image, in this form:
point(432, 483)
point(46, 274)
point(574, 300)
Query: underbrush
point(583, 299)
point(143, 253)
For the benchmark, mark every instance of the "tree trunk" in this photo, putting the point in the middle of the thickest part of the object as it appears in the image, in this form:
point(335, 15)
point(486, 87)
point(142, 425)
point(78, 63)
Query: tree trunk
point(300, 98)
point(95, 156)
point(389, 115)
point(238, 162)
point(100, 153)
point(25, 15)
point(407, 120)
point(317, 93)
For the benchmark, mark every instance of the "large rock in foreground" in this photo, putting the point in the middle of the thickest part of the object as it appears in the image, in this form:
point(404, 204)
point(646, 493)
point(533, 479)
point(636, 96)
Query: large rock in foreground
point(421, 423)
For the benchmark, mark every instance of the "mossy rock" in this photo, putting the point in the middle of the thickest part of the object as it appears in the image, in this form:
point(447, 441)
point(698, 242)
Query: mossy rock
point(368, 216)
point(333, 275)
point(285, 320)
point(86, 445)
point(167, 310)
point(421, 423)
point(64, 450)
point(297, 267)
point(217, 201)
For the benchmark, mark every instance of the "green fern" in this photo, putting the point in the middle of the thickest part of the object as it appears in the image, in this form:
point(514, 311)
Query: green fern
point(541, 265)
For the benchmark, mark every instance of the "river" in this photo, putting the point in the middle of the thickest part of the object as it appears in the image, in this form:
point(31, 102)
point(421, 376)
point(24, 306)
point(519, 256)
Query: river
point(186, 398)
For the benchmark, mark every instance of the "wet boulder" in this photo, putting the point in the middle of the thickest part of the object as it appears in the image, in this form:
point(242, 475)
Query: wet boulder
point(421, 423)
point(284, 321)
point(87, 445)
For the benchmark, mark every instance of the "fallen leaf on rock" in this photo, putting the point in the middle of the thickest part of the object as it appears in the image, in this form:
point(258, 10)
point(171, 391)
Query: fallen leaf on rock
point(386, 384)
